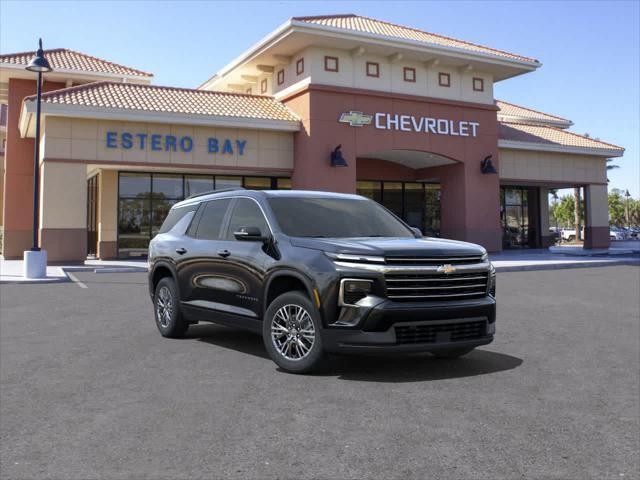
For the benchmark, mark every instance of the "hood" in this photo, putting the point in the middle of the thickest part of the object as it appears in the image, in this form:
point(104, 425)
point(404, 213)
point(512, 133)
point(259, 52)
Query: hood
point(391, 246)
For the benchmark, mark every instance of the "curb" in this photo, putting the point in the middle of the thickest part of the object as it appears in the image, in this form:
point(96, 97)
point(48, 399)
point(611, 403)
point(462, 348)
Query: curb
point(566, 266)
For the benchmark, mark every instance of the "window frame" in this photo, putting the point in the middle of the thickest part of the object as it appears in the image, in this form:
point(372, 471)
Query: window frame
point(377, 67)
point(264, 85)
point(200, 213)
point(327, 59)
point(280, 76)
point(480, 82)
point(300, 66)
point(444, 75)
point(407, 70)
point(248, 91)
point(231, 210)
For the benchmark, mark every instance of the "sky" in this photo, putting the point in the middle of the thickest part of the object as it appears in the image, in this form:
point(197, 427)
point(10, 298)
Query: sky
point(590, 51)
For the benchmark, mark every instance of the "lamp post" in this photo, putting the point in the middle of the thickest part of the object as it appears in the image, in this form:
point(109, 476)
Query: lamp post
point(35, 260)
point(626, 208)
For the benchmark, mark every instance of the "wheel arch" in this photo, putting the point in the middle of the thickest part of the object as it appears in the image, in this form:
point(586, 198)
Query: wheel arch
point(281, 278)
point(161, 270)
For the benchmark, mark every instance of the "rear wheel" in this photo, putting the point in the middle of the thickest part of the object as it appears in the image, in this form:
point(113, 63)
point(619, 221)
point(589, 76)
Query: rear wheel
point(169, 319)
point(452, 352)
point(291, 333)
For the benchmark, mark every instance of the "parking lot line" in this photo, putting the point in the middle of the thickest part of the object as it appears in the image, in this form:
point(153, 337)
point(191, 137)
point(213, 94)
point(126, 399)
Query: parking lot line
point(75, 280)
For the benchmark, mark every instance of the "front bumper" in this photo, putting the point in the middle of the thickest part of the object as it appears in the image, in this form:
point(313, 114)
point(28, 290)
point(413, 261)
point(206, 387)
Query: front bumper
point(393, 327)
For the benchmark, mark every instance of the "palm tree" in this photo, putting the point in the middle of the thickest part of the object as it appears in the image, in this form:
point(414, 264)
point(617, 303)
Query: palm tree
point(576, 210)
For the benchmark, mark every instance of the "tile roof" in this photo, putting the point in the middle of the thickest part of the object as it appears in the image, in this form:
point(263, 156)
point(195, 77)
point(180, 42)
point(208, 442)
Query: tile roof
point(65, 59)
point(544, 135)
point(152, 98)
point(370, 25)
point(512, 110)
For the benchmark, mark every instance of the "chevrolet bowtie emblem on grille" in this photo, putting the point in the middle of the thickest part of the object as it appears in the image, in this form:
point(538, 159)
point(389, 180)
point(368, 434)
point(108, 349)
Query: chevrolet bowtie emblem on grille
point(356, 119)
point(446, 269)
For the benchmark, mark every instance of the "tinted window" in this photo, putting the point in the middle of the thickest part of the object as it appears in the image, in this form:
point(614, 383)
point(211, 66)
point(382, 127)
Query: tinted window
point(174, 216)
point(335, 217)
point(211, 219)
point(247, 213)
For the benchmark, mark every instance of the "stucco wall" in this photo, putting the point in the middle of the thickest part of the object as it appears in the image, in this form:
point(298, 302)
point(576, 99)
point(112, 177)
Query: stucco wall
point(551, 167)
point(85, 140)
point(352, 73)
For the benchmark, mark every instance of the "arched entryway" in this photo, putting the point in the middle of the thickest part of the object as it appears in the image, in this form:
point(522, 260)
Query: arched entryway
point(407, 183)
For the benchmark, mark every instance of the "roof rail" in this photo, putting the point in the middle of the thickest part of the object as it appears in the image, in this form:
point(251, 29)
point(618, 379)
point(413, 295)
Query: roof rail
point(210, 192)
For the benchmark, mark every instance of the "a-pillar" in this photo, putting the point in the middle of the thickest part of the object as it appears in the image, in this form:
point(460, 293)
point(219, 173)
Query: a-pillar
point(546, 240)
point(107, 214)
point(63, 211)
point(596, 216)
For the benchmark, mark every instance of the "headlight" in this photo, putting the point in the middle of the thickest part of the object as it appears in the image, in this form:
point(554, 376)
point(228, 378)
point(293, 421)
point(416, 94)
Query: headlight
point(347, 257)
point(485, 257)
point(491, 285)
point(352, 290)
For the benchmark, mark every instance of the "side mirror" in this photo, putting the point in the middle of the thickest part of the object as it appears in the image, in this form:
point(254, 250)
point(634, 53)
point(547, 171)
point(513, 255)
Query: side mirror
point(416, 232)
point(250, 234)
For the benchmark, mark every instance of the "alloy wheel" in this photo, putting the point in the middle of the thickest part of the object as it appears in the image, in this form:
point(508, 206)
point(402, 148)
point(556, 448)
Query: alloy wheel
point(164, 306)
point(292, 332)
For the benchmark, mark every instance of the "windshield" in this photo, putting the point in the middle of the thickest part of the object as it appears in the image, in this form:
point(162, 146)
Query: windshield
point(336, 218)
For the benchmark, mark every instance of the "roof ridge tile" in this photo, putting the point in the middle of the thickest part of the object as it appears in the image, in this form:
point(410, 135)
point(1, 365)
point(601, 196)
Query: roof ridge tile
point(532, 110)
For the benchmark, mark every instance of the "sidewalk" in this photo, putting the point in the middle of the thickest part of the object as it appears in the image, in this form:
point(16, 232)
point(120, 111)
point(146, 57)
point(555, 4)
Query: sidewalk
point(11, 270)
point(506, 261)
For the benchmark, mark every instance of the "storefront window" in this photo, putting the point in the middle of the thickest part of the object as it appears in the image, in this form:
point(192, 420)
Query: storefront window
point(257, 183)
point(228, 182)
point(194, 184)
point(518, 218)
point(145, 200)
point(416, 203)
point(283, 183)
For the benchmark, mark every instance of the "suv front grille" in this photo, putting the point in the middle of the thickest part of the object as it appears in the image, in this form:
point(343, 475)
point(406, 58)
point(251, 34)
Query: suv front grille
point(438, 286)
point(433, 260)
point(452, 332)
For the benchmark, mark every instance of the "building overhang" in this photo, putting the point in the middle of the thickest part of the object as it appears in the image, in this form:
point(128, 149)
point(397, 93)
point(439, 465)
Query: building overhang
point(294, 35)
point(28, 113)
point(555, 148)
point(533, 121)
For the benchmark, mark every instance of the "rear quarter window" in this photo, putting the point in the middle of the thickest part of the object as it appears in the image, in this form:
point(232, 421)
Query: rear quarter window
point(175, 215)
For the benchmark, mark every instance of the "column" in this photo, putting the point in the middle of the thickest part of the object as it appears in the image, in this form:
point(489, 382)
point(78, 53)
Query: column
point(546, 240)
point(63, 211)
point(107, 214)
point(596, 216)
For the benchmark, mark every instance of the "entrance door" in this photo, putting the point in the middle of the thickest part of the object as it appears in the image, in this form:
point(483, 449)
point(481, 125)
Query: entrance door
point(92, 216)
point(519, 216)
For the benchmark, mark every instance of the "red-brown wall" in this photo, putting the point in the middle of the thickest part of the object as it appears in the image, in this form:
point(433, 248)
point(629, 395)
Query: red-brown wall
point(18, 177)
point(470, 200)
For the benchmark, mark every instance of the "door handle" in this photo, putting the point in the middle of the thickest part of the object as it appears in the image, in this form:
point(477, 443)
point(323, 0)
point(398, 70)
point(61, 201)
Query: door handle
point(181, 251)
point(224, 253)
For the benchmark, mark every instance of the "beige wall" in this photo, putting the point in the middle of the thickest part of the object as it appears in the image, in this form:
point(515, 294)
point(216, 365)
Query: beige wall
point(552, 167)
point(108, 206)
point(597, 212)
point(63, 195)
point(352, 73)
point(80, 139)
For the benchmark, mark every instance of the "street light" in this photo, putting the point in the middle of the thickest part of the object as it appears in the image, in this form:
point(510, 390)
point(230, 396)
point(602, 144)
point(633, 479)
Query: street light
point(35, 260)
point(626, 208)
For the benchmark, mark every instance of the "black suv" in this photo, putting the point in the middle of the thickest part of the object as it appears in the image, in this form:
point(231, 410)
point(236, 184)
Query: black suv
point(317, 272)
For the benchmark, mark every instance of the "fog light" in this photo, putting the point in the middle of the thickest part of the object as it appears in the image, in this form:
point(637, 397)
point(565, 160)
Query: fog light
point(352, 290)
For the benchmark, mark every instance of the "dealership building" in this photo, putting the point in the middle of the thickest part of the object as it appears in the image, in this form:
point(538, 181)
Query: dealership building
point(340, 103)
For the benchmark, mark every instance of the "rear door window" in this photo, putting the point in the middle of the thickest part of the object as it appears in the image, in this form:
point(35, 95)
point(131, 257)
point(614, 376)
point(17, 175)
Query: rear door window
point(210, 224)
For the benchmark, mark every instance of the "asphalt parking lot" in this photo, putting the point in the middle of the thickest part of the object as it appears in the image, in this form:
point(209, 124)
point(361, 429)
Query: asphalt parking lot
point(89, 389)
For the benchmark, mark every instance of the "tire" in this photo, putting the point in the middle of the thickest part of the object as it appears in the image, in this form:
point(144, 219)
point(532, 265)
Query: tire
point(452, 352)
point(291, 333)
point(166, 309)
point(571, 238)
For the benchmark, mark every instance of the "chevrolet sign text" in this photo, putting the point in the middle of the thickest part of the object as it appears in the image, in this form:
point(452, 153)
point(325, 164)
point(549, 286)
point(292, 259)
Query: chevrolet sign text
point(438, 126)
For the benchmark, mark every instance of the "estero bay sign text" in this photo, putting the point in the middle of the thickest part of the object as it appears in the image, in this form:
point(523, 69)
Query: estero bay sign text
point(171, 143)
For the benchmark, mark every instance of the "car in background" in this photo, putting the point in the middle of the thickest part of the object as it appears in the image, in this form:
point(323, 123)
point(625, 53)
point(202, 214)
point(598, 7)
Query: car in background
point(618, 234)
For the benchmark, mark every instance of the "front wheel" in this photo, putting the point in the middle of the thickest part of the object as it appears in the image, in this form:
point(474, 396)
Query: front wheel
point(291, 333)
point(452, 352)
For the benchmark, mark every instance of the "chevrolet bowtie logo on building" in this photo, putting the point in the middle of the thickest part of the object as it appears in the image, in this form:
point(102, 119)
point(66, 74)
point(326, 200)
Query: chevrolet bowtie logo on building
point(356, 119)
point(446, 269)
